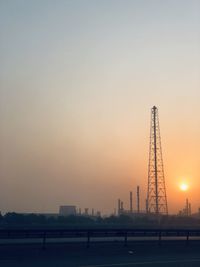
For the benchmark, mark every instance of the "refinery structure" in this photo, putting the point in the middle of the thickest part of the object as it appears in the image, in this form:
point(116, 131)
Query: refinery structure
point(156, 197)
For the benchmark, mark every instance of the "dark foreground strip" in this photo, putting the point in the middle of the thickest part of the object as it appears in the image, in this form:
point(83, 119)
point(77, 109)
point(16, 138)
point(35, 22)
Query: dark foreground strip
point(143, 263)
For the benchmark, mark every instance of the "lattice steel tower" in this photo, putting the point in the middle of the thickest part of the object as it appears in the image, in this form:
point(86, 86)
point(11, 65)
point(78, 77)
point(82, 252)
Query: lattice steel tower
point(156, 193)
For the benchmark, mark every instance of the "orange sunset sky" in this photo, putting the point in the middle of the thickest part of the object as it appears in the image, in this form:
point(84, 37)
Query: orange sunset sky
point(77, 82)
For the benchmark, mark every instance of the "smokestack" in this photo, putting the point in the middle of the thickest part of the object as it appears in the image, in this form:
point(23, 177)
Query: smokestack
point(131, 202)
point(190, 210)
point(79, 211)
point(119, 206)
point(138, 199)
point(92, 212)
point(187, 207)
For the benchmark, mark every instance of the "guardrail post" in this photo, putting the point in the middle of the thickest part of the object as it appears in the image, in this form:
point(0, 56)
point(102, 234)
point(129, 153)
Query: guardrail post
point(125, 239)
point(159, 238)
point(44, 241)
point(187, 238)
point(88, 239)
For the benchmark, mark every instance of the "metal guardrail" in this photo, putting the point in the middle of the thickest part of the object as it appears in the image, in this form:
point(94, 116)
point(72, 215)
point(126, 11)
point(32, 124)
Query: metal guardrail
point(87, 234)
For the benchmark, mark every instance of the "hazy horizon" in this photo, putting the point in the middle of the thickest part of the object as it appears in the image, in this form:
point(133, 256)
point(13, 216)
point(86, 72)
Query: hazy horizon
point(77, 82)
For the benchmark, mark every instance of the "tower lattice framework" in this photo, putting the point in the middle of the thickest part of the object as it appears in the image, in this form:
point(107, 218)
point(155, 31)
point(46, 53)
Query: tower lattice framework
point(156, 194)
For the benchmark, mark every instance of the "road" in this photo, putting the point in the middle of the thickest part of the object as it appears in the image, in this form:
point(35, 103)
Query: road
point(145, 254)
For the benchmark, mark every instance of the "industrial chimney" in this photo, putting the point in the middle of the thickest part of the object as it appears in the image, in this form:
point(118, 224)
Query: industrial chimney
point(131, 202)
point(138, 199)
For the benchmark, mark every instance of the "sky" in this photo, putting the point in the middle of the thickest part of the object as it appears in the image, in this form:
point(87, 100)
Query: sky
point(78, 79)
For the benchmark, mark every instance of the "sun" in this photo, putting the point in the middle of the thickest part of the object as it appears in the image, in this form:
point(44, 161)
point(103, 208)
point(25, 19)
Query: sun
point(183, 187)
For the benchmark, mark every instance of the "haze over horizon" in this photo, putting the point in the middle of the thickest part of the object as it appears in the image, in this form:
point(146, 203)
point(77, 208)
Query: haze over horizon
point(77, 82)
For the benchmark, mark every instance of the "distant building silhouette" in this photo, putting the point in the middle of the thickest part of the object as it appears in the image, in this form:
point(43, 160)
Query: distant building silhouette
point(67, 210)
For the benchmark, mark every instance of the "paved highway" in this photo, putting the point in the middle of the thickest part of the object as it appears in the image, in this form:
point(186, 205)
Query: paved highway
point(146, 254)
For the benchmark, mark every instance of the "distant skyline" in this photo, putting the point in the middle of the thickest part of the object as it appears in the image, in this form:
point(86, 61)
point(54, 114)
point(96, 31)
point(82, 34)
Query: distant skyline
point(77, 82)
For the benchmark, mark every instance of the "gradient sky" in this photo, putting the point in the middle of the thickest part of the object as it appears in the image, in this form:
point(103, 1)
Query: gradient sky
point(77, 82)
